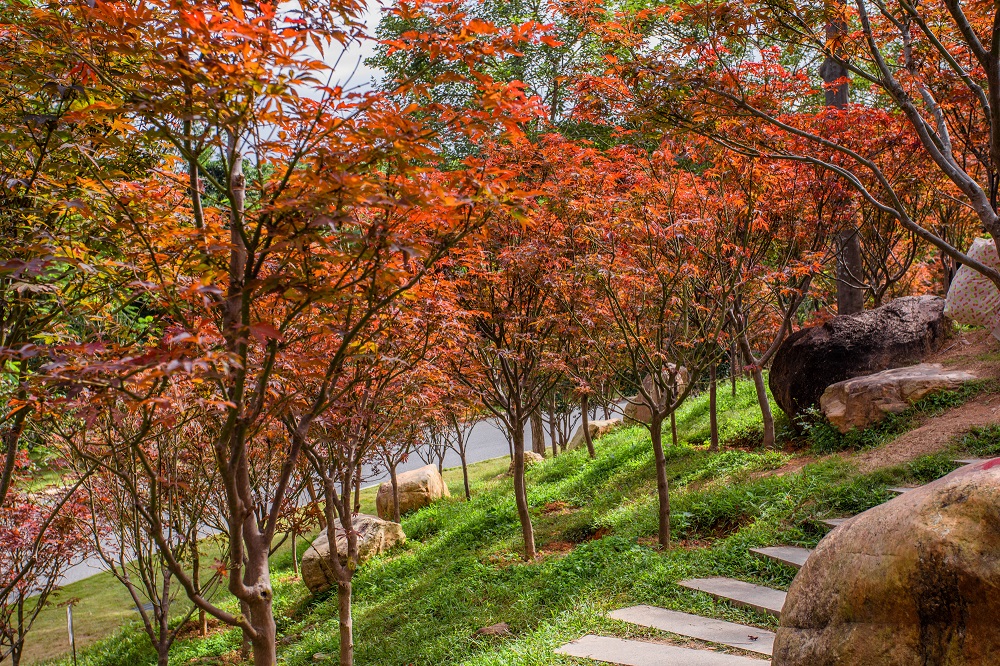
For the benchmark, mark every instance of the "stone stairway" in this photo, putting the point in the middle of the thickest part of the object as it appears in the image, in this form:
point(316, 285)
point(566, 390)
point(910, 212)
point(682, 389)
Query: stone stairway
point(756, 597)
point(642, 653)
point(793, 556)
point(712, 631)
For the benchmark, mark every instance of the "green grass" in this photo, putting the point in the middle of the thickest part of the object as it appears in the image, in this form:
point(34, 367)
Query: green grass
point(595, 524)
point(982, 441)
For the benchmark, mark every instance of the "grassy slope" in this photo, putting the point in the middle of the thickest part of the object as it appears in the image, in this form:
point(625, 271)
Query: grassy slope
point(594, 522)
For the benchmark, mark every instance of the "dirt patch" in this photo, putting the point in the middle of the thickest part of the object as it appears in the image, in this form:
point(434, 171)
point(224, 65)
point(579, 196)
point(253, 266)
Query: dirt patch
point(558, 508)
point(976, 351)
point(935, 435)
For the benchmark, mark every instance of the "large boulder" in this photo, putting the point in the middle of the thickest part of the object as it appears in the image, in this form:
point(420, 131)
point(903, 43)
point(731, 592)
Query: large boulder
point(636, 410)
point(374, 536)
point(900, 333)
point(913, 581)
point(864, 401)
point(597, 429)
point(530, 458)
point(417, 488)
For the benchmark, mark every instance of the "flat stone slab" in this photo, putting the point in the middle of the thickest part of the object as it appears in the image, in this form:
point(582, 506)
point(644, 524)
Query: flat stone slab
point(972, 461)
point(899, 490)
point(640, 653)
point(790, 555)
point(833, 522)
point(759, 598)
point(695, 626)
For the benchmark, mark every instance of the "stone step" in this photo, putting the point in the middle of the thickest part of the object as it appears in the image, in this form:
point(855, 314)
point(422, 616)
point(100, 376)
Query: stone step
point(790, 555)
point(641, 653)
point(833, 522)
point(748, 595)
point(900, 490)
point(972, 461)
point(695, 626)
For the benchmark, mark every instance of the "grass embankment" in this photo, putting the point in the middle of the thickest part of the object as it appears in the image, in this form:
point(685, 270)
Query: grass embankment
point(595, 523)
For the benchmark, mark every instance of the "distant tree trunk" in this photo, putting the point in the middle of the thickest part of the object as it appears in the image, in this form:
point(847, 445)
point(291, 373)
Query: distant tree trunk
point(521, 492)
point(553, 437)
point(357, 491)
point(537, 432)
point(460, 438)
point(713, 407)
point(850, 266)
point(395, 493)
point(465, 475)
point(584, 407)
point(733, 365)
point(314, 500)
point(662, 488)
point(196, 581)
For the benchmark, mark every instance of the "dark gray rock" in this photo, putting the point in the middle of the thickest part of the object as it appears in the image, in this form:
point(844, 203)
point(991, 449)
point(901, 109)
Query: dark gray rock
point(901, 333)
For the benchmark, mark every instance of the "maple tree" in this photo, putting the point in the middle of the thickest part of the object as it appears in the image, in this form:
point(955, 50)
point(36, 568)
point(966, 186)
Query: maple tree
point(719, 69)
point(43, 535)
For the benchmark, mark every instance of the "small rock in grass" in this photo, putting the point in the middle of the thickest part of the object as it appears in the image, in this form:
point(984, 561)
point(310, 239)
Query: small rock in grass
point(498, 629)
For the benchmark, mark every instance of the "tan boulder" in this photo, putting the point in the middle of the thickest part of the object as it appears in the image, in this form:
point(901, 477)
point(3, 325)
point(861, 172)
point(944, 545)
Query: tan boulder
point(636, 410)
point(597, 429)
point(864, 401)
point(530, 458)
point(374, 536)
point(417, 488)
point(913, 581)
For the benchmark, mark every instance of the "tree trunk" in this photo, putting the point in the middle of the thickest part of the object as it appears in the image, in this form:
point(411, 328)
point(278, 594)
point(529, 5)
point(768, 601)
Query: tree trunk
point(537, 432)
point(713, 407)
point(662, 489)
point(765, 406)
point(246, 645)
point(465, 475)
point(163, 655)
point(346, 623)
point(585, 415)
point(521, 493)
point(395, 493)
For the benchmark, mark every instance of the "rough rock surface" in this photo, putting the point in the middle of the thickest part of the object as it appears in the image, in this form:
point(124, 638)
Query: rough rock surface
point(636, 410)
point(912, 581)
point(417, 488)
point(597, 429)
point(900, 333)
point(863, 401)
point(374, 536)
point(530, 458)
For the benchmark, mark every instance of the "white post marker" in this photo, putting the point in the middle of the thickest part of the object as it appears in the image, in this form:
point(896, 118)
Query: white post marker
point(69, 628)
